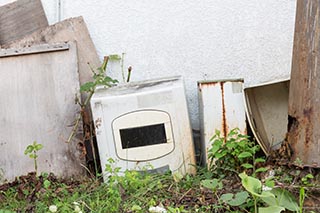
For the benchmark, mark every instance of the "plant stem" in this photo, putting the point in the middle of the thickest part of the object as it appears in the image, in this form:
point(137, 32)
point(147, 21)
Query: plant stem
point(122, 71)
point(255, 205)
point(301, 198)
point(94, 156)
point(75, 127)
point(35, 162)
point(129, 73)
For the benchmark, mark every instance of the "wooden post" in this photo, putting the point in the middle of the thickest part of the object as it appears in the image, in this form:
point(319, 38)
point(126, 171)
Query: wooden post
point(304, 95)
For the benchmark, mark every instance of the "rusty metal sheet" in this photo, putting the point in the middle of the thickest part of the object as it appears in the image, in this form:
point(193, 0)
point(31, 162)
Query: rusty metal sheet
point(221, 108)
point(304, 101)
point(267, 112)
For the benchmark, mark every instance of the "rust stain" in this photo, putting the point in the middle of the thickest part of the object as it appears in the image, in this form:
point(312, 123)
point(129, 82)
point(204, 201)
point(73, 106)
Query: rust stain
point(307, 113)
point(224, 119)
point(308, 124)
point(205, 85)
point(210, 83)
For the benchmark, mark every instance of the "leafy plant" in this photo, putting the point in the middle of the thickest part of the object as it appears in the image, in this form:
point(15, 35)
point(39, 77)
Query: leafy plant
point(213, 184)
point(233, 154)
point(235, 199)
point(277, 199)
point(306, 180)
point(32, 151)
point(99, 79)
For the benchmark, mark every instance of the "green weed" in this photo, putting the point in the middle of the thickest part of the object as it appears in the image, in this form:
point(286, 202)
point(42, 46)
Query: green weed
point(233, 154)
point(32, 152)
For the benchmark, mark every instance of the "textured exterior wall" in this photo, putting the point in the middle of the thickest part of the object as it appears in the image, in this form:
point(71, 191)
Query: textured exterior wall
point(198, 39)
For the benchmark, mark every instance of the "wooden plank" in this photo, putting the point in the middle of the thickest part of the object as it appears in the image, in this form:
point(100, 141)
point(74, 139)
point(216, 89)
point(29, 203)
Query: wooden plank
point(21, 18)
point(37, 103)
point(73, 29)
point(304, 101)
point(43, 48)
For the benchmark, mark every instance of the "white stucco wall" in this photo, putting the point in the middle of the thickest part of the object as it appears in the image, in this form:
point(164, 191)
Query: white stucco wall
point(198, 39)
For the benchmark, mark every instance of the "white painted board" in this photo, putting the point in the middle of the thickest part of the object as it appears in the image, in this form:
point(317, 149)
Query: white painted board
point(37, 104)
point(221, 107)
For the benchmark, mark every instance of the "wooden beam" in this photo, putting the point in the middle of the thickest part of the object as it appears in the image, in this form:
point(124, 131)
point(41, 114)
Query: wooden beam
point(304, 95)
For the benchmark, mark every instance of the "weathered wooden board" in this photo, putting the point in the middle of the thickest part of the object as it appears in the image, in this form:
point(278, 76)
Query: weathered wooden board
point(37, 104)
point(73, 29)
point(21, 18)
point(304, 95)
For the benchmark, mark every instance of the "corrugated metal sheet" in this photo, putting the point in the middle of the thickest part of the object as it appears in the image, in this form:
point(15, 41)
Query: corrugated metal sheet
point(221, 108)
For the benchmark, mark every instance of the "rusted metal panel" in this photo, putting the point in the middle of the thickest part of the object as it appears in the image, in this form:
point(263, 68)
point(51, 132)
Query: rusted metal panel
point(21, 18)
point(267, 112)
point(221, 108)
point(304, 101)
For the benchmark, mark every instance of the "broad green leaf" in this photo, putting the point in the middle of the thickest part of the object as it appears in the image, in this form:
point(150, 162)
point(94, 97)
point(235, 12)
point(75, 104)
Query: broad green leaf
point(269, 182)
point(259, 160)
point(239, 199)
point(46, 184)
point(219, 155)
point(32, 155)
point(282, 198)
point(233, 132)
point(87, 87)
point(28, 150)
point(230, 144)
point(245, 155)
point(38, 147)
point(309, 176)
point(215, 147)
point(211, 184)
point(266, 194)
point(247, 165)
point(226, 197)
point(262, 169)
point(271, 209)
point(216, 133)
point(253, 185)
